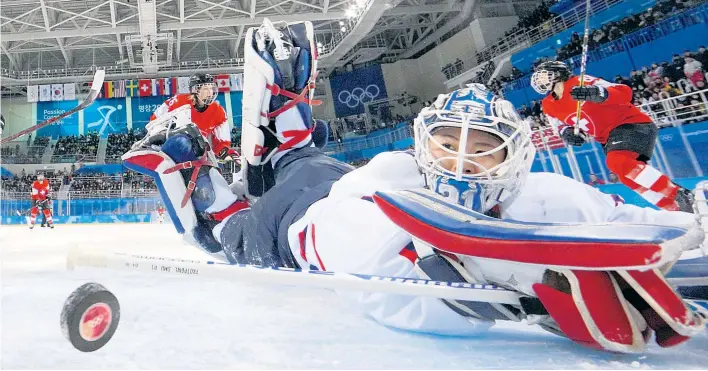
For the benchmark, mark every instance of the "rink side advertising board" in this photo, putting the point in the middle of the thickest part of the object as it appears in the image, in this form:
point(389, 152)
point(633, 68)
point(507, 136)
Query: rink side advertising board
point(64, 127)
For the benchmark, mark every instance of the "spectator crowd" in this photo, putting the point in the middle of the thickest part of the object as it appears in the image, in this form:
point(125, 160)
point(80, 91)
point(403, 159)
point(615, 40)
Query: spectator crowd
point(78, 146)
point(118, 144)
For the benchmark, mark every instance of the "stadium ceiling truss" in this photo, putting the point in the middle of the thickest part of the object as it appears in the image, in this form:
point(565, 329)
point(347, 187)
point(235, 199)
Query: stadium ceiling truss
point(43, 41)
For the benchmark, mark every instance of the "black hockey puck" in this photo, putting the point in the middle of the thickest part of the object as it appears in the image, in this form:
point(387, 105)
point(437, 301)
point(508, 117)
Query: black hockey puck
point(90, 317)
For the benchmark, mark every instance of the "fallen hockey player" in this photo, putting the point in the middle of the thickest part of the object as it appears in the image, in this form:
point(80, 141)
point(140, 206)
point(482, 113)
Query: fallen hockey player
point(463, 207)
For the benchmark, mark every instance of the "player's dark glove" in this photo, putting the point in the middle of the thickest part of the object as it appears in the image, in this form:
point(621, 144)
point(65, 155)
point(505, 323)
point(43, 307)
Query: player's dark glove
point(592, 93)
point(570, 138)
point(228, 155)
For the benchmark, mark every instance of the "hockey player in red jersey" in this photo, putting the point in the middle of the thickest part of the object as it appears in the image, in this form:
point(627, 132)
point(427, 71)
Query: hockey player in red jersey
point(607, 114)
point(160, 214)
point(41, 196)
point(207, 114)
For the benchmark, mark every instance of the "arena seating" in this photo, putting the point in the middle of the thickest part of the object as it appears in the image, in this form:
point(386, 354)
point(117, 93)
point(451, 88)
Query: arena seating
point(76, 148)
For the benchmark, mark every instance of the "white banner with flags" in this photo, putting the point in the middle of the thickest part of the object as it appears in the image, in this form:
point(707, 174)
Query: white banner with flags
point(237, 82)
point(45, 93)
point(183, 83)
point(70, 91)
point(32, 93)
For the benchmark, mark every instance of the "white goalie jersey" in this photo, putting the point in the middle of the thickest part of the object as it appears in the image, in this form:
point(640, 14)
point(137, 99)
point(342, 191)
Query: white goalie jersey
point(346, 232)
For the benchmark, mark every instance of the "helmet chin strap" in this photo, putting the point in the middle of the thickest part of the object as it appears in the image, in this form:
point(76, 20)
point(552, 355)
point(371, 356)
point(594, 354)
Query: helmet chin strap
point(199, 105)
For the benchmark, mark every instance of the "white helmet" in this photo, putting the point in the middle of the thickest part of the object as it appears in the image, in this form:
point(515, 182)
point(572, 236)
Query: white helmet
point(474, 107)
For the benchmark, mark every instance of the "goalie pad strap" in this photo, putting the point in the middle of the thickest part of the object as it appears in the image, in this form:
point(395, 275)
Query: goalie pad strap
point(192, 183)
point(275, 90)
point(232, 209)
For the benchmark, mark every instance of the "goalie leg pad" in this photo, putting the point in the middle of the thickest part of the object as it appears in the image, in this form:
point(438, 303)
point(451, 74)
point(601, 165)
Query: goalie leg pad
point(208, 192)
point(589, 308)
point(662, 307)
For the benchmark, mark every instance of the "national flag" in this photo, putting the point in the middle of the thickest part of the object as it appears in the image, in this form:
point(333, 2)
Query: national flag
point(164, 86)
point(32, 93)
point(183, 85)
point(70, 91)
point(236, 82)
point(57, 91)
point(45, 93)
point(119, 89)
point(107, 91)
point(173, 85)
point(222, 83)
point(145, 87)
point(155, 89)
point(131, 88)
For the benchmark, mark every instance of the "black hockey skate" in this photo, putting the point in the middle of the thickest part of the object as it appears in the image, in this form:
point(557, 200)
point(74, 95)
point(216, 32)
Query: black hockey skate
point(685, 200)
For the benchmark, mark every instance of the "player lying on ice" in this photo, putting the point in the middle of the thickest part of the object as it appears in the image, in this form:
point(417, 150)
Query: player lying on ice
point(299, 208)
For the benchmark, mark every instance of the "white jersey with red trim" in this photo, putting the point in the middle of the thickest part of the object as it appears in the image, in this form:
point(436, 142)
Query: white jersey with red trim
point(212, 122)
point(346, 232)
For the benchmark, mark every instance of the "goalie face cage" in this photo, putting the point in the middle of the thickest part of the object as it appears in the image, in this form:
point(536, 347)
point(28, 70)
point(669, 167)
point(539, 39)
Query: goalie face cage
point(474, 110)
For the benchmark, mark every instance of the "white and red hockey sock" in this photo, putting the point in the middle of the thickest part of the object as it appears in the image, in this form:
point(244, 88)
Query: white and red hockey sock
point(649, 182)
point(33, 215)
point(48, 215)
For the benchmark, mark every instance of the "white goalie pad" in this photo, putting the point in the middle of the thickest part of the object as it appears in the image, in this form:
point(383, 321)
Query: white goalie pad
point(171, 186)
point(257, 74)
point(258, 77)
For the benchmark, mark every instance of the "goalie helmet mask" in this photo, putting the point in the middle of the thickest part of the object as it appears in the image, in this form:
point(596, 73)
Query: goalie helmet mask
point(279, 79)
point(473, 108)
point(547, 74)
point(203, 89)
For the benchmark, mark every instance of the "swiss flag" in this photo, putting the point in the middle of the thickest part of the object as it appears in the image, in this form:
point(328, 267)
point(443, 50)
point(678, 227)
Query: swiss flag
point(145, 87)
point(222, 82)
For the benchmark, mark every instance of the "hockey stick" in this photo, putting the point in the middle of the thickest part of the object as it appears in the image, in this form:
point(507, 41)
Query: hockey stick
point(293, 277)
point(297, 277)
point(583, 64)
point(96, 86)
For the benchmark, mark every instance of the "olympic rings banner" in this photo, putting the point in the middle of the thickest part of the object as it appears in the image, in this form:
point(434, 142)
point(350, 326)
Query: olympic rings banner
point(351, 90)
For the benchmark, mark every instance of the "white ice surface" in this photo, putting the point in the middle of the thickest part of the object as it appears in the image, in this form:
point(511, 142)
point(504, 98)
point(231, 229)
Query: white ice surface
point(195, 323)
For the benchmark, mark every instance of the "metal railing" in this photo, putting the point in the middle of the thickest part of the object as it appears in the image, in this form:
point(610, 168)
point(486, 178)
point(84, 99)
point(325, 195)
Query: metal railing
point(366, 143)
point(675, 111)
point(178, 68)
point(73, 157)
